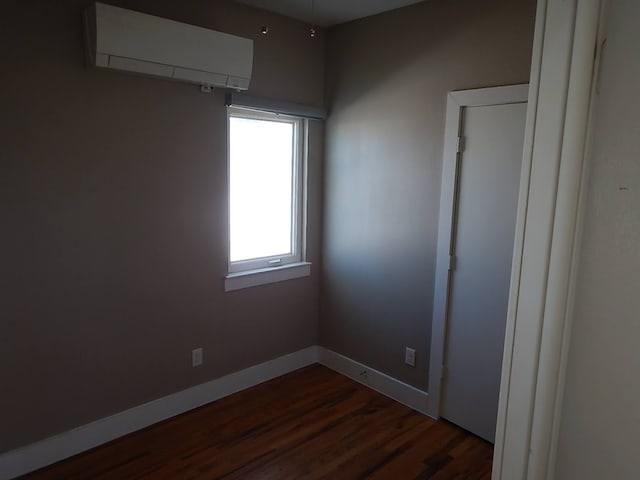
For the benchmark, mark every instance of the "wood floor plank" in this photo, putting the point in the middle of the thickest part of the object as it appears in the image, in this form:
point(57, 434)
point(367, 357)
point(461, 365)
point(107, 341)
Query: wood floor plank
point(312, 424)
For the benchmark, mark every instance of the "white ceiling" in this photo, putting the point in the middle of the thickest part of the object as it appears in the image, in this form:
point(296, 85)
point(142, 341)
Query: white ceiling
point(326, 13)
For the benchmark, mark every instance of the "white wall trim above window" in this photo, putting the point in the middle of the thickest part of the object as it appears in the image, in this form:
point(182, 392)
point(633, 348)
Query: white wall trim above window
point(263, 276)
point(284, 107)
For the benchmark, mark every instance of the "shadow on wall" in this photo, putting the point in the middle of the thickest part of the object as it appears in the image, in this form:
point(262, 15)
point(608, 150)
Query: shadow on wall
point(382, 50)
point(387, 81)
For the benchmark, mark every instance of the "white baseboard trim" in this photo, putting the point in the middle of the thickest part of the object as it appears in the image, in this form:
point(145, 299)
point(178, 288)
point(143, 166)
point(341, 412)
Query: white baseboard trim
point(50, 450)
point(53, 449)
point(401, 392)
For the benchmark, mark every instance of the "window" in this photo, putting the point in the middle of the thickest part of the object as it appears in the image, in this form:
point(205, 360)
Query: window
point(266, 196)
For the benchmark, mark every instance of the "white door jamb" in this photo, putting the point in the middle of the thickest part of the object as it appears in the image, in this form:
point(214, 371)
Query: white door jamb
point(456, 103)
point(566, 55)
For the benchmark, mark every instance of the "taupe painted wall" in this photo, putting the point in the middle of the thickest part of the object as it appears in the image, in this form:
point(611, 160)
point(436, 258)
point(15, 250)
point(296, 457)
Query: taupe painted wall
point(387, 80)
point(600, 421)
point(113, 203)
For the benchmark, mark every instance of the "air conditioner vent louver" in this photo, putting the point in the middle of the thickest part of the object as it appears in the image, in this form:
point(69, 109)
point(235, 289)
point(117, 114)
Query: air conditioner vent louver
point(125, 40)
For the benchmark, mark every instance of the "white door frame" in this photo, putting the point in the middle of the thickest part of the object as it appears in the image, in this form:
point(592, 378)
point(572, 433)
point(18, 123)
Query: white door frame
point(456, 103)
point(566, 56)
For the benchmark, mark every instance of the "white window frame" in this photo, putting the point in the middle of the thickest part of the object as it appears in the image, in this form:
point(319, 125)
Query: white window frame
point(274, 268)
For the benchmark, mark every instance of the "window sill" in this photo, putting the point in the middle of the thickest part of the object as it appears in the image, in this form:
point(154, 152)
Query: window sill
point(253, 278)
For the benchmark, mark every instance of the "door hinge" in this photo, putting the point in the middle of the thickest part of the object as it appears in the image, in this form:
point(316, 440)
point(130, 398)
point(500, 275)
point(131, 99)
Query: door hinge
point(460, 145)
point(453, 260)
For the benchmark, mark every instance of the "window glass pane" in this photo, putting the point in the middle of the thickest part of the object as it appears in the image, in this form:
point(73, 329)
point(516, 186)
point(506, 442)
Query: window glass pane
point(261, 174)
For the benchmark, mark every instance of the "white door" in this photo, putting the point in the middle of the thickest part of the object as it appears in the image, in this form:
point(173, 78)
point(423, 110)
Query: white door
point(482, 243)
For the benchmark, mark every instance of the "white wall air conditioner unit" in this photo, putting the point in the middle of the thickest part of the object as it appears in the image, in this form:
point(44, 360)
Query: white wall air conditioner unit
point(121, 39)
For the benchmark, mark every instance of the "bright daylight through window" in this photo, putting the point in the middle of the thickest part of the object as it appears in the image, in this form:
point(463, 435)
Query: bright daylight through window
point(265, 190)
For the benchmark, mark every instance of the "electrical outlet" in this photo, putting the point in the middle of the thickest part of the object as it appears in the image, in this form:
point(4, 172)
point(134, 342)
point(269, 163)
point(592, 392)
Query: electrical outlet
point(196, 357)
point(410, 356)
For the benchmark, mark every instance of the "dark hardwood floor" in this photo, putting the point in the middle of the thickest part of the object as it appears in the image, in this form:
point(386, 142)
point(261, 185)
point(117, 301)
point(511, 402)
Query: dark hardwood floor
point(309, 424)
